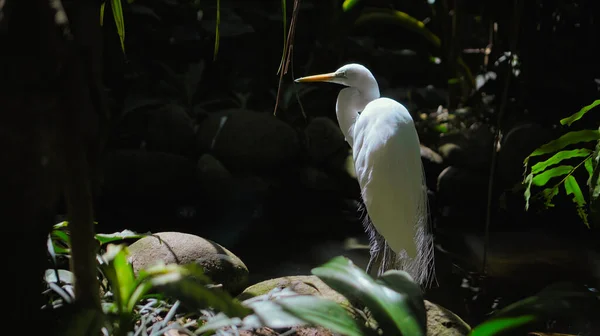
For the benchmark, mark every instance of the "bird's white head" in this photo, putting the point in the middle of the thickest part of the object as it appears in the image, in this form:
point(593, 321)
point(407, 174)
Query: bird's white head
point(353, 75)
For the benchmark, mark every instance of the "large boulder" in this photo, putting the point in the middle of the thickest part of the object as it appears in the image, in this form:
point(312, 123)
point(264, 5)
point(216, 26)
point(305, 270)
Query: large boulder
point(220, 264)
point(248, 141)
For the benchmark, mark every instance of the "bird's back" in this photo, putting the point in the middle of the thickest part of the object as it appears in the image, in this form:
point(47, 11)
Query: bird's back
point(389, 170)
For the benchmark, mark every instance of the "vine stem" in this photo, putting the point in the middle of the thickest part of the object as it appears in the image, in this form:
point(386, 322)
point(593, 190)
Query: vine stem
point(488, 217)
point(287, 52)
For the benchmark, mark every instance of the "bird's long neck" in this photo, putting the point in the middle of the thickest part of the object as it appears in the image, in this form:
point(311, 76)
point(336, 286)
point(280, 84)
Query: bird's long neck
point(350, 102)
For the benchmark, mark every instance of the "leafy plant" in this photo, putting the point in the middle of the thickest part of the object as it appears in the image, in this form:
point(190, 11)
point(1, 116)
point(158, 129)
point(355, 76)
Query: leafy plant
point(543, 172)
point(554, 301)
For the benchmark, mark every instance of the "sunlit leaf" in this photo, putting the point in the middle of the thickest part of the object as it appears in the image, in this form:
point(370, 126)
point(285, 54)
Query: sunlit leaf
point(274, 316)
point(117, 10)
point(217, 35)
point(105, 238)
point(589, 167)
point(558, 157)
point(321, 312)
point(572, 188)
point(102, 13)
point(64, 276)
point(124, 275)
point(578, 115)
point(565, 140)
point(543, 178)
point(501, 325)
point(389, 308)
point(349, 4)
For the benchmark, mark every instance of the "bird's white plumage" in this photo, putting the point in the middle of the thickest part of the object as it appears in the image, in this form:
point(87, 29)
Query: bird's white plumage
point(387, 160)
point(386, 154)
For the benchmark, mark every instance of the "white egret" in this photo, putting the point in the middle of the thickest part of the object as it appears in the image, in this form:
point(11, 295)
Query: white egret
point(386, 151)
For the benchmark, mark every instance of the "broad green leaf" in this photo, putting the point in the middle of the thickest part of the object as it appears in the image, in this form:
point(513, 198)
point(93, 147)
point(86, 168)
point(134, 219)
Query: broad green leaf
point(564, 141)
point(321, 312)
point(390, 309)
point(402, 282)
point(188, 284)
point(501, 325)
point(348, 4)
point(558, 157)
point(105, 238)
point(124, 276)
point(543, 178)
point(217, 34)
point(572, 188)
point(578, 115)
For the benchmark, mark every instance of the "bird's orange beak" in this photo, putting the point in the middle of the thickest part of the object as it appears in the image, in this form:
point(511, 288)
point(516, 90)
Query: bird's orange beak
point(317, 78)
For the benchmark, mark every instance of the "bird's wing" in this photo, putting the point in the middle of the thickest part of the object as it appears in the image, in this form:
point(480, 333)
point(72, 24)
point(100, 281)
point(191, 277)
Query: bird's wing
point(389, 170)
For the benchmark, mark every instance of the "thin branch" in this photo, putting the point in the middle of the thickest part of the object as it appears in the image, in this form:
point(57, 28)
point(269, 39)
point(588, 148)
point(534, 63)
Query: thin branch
point(488, 218)
point(287, 51)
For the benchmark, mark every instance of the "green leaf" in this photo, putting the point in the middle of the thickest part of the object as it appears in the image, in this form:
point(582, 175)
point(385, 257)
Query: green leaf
point(589, 166)
point(102, 13)
point(548, 195)
point(543, 178)
point(390, 309)
point(60, 225)
point(578, 115)
point(124, 275)
point(105, 238)
point(501, 325)
point(572, 188)
point(217, 34)
point(565, 140)
point(120, 275)
point(117, 10)
point(556, 301)
point(348, 4)
point(188, 284)
point(558, 157)
point(402, 282)
point(321, 312)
